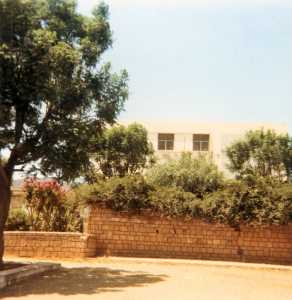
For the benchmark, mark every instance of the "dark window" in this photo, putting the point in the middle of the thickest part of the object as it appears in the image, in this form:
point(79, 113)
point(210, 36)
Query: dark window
point(201, 142)
point(165, 141)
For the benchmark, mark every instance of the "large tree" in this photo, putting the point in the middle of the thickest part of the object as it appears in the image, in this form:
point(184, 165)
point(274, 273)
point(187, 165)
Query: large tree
point(55, 95)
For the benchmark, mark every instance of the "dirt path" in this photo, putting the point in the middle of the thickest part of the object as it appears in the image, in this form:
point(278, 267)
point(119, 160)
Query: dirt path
point(138, 280)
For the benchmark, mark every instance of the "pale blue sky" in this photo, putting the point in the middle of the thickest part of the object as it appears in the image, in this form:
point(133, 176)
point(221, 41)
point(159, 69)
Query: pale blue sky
point(204, 60)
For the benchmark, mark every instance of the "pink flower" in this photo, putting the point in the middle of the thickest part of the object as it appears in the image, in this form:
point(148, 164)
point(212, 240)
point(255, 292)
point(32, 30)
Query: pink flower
point(43, 186)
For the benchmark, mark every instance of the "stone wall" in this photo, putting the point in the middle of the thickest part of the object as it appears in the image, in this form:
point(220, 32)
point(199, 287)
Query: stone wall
point(49, 244)
point(147, 235)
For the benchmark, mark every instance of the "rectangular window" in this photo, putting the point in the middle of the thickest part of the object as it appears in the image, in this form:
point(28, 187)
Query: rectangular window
point(201, 142)
point(165, 141)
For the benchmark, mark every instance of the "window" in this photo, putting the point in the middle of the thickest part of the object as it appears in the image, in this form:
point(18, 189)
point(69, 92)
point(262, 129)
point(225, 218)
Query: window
point(201, 142)
point(165, 141)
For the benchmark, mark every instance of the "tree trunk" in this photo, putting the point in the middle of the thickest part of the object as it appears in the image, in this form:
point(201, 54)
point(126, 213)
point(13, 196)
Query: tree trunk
point(5, 195)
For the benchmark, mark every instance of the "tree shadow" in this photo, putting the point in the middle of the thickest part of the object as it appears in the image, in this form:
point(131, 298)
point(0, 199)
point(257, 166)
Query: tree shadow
point(85, 280)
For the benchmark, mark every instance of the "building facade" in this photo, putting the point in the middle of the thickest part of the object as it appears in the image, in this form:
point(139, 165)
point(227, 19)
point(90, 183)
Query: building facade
point(170, 139)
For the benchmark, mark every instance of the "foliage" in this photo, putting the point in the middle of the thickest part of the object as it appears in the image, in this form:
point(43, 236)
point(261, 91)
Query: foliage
point(261, 153)
point(264, 202)
point(174, 201)
point(124, 151)
point(71, 218)
point(133, 193)
point(121, 193)
point(84, 193)
point(55, 96)
point(199, 175)
point(48, 209)
point(17, 221)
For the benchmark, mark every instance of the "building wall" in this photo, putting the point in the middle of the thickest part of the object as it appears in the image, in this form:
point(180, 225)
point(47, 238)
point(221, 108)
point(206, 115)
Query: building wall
point(148, 235)
point(221, 136)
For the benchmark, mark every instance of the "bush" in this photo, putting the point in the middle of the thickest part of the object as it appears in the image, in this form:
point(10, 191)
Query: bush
point(240, 203)
point(49, 209)
point(71, 219)
point(84, 194)
point(17, 221)
point(173, 201)
point(199, 175)
point(120, 193)
point(133, 193)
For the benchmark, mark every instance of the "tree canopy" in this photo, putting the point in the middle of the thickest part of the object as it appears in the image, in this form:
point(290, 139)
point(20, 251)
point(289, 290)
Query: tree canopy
point(55, 96)
point(261, 153)
point(123, 150)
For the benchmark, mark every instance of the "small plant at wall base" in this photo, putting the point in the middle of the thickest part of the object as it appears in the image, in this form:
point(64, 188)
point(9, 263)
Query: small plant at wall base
point(17, 221)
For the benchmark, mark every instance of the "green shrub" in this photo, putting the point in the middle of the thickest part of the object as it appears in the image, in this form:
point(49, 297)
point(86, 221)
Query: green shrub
point(174, 201)
point(199, 176)
point(133, 193)
point(70, 218)
point(254, 202)
point(84, 194)
point(17, 220)
point(120, 193)
point(240, 203)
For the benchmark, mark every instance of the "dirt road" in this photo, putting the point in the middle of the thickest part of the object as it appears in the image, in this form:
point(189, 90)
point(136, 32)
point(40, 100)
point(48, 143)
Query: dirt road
point(112, 279)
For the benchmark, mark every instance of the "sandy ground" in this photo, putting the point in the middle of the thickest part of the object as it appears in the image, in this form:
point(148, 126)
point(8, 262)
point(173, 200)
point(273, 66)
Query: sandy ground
point(155, 279)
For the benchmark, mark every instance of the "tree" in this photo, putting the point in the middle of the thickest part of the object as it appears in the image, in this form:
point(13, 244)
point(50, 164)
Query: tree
point(55, 96)
point(123, 151)
point(198, 175)
point(261, 153)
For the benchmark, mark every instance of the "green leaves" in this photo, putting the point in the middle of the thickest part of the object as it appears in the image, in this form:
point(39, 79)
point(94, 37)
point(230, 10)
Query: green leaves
point(261, 153)
point(264, 202)
point(55, 98)
point(196, 175)
point(119, 193)
point(123, 150)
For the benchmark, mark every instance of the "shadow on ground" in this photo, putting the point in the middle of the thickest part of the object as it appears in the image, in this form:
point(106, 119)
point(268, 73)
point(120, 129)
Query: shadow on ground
point(81, 281)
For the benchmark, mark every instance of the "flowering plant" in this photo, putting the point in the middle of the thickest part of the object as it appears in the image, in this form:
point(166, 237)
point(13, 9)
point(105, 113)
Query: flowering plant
point(45, 201)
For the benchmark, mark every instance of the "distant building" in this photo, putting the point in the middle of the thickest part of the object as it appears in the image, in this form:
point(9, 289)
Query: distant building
point(170, 139)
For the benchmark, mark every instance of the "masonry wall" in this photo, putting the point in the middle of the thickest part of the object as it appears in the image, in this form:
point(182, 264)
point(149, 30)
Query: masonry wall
point(49, 244)
point(148, 235)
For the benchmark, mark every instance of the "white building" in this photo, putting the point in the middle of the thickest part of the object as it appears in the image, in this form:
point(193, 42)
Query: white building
point(170, 139)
